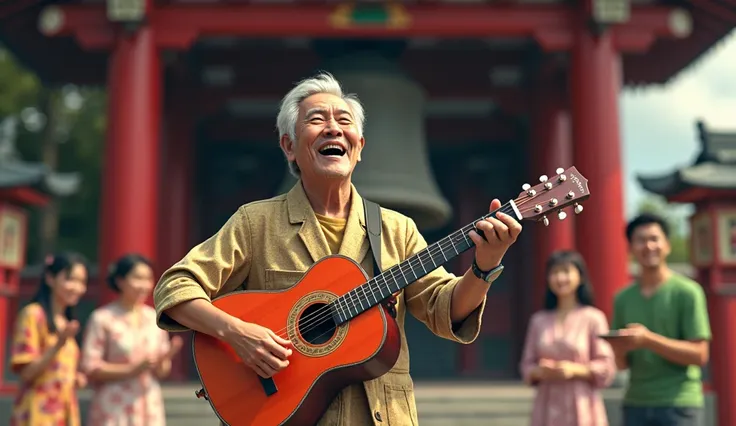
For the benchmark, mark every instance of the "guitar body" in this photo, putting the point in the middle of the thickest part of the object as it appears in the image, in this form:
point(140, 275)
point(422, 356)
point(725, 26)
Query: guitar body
point(325, 359)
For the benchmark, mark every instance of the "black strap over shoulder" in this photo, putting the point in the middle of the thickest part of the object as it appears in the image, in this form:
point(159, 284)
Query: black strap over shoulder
point(373, 228)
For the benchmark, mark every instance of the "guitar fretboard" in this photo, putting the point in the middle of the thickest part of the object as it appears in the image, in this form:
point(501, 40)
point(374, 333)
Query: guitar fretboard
point(392, 280)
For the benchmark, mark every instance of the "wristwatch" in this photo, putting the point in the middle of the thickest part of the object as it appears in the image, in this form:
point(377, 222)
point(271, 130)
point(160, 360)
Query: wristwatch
point(487, 276)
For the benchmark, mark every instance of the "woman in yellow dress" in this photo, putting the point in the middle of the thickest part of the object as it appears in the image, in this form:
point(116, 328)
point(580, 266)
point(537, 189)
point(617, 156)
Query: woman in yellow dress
point(44, 352)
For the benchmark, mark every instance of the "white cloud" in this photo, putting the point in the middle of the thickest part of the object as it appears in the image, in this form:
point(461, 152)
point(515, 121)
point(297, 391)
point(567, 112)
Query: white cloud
point(658, 122)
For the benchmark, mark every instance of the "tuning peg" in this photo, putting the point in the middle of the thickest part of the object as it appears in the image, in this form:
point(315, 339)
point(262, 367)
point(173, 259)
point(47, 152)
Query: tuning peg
point(526, 187)
point(545, 220)
point(578, 208)
point(559, 170)
point(543, 178)
point(561, 215)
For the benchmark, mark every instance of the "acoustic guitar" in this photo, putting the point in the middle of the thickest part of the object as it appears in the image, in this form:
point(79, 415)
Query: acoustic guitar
point(341, 332)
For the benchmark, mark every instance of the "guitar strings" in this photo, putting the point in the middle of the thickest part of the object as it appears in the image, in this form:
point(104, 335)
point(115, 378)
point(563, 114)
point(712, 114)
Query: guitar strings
point(318, 318)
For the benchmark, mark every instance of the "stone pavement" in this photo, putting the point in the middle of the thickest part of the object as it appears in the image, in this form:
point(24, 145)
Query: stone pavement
point(439, 404)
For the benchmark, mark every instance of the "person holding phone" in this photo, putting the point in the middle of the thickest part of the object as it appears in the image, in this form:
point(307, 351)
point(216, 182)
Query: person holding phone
point(563, 355)
point(664, 333)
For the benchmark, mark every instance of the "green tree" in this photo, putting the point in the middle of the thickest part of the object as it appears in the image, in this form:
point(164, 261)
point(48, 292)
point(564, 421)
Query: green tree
point(62, 127)
point(676, 217)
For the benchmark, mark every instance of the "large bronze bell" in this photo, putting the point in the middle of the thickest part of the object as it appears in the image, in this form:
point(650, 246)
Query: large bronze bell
point(395, 170)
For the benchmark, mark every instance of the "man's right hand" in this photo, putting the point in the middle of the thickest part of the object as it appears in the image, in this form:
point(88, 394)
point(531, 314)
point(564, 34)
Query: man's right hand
point(260, 348)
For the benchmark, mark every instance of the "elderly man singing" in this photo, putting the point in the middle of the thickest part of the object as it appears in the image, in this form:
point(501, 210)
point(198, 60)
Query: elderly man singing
point(269, 244)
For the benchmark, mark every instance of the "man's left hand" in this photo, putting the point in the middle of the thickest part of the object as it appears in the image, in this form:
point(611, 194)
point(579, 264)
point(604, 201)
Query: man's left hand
point(500, 234)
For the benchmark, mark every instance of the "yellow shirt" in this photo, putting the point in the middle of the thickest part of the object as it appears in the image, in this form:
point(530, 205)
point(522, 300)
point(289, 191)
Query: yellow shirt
point(334, 230)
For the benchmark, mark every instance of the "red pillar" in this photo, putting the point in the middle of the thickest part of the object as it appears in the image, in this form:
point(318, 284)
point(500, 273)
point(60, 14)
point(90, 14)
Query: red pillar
point(722, 313)
point(176, 188)
point(131, 164)
point(552, 142)
point(595, 80)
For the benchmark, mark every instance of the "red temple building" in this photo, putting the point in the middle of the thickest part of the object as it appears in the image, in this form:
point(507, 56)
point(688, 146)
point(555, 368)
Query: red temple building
point(709, 184)
point(465, 102)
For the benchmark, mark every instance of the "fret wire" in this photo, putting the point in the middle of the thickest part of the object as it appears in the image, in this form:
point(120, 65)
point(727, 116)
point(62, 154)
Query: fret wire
point(360, 299)
point(395, 282)
point(453, 246)
point(352, 300)
point(402, 273)
point(339, 305)
point(430, 255)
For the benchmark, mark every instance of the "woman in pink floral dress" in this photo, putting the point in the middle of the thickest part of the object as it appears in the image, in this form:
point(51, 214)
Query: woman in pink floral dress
point(563, 355)
point(44, 353)
point(125, 354)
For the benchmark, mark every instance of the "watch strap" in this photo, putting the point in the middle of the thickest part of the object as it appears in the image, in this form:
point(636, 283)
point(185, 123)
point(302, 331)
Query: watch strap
point(486, 276)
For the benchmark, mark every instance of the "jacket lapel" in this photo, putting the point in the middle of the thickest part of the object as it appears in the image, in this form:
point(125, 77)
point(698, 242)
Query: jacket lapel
point(355, 244)
point(300, 212)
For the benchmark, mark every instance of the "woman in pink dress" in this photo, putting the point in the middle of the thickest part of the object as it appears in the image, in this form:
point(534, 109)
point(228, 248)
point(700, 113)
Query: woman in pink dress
point(125, 354)
point(563, 355)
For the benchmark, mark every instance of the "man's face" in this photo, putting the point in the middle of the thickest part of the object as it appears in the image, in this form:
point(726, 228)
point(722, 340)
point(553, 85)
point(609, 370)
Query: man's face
point(328, 145)
point(650, 245)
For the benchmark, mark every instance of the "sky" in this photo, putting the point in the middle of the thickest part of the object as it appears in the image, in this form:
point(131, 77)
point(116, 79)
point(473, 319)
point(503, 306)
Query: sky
point(658, 122)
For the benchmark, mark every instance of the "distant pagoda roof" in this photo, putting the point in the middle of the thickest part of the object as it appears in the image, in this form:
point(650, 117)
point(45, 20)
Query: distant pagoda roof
point(714, 168)
point(14, 174)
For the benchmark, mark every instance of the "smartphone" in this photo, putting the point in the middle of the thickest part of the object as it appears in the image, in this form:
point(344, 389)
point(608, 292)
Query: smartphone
point(611, 334)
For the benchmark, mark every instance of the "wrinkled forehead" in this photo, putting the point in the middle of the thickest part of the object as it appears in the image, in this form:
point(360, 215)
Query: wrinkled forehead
point(324, 104)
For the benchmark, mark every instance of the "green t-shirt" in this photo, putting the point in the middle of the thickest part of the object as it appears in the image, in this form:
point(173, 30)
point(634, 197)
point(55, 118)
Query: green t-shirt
point(677, 310)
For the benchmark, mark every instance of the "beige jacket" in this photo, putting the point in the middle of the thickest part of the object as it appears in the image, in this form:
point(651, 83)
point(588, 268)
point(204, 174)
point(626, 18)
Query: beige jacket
point(269, 244)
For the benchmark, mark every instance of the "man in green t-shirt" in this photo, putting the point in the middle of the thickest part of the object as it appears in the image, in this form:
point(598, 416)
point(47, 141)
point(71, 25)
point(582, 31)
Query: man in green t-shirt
point(663, 321)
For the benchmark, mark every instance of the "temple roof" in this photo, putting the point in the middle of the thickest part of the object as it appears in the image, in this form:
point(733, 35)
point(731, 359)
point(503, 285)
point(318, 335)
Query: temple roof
point(63, 60)
point(38, 176)
point(714, 168)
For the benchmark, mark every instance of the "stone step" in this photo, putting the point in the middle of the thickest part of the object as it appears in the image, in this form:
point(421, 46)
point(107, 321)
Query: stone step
point(438, 404)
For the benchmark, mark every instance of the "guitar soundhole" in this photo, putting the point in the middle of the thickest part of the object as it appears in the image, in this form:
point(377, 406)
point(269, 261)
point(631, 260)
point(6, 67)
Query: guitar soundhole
point(316, 325)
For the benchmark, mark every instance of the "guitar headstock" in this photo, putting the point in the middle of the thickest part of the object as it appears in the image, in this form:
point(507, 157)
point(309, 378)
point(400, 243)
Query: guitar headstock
point(566, 188)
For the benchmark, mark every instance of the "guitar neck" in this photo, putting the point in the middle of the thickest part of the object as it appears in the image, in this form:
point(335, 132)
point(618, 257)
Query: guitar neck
point(393, 279)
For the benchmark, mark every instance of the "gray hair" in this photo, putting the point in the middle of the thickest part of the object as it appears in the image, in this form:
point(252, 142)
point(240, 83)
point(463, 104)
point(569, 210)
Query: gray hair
point(288, 116)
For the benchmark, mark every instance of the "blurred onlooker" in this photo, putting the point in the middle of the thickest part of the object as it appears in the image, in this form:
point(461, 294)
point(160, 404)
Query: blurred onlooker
point(44, 352)
point(125, 353)
point(664, 334)
point(563, 355)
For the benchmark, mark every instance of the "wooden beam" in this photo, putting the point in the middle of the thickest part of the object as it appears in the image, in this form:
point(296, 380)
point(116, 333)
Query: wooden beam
point(178, 26)
point(439, 131)
point(24, 195)
point(443, 73)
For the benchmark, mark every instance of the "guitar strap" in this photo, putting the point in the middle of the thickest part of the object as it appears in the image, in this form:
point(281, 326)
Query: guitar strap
point(373, 228)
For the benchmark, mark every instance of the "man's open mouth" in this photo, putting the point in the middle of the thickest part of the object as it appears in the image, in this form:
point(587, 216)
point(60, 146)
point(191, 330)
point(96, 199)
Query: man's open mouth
point(332, 150)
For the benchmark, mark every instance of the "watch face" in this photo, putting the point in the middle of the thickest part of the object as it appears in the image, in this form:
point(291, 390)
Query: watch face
point(493, 275)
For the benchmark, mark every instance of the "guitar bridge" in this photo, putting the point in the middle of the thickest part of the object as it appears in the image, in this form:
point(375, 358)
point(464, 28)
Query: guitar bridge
point(201, 394)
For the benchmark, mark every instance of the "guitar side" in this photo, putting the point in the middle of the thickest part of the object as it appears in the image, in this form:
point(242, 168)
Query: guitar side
point(362, 349)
